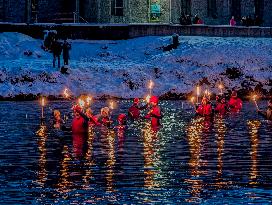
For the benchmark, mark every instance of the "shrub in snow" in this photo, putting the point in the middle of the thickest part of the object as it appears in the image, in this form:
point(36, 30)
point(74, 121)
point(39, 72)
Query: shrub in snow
point(234, 73)
point(28, 53)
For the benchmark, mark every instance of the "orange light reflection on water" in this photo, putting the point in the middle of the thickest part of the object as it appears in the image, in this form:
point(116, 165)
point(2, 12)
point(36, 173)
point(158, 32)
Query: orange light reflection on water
point(149, 137)
point(221, 129)
point(88, 159)
point(42, 137)
point(111, 161)
point(253, 126)
point(194, 136)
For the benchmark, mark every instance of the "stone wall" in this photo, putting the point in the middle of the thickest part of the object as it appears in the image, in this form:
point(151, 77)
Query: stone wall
point(138, 30)
point(199, 7)
point(15, 11)
point(90, 10)
point(122, 31)
point(267, 13)
point(247, 8)
point(50, 10)
point(138, 11)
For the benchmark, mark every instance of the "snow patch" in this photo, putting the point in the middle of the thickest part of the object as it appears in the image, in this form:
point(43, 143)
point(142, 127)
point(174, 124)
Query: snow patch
point(122, 68)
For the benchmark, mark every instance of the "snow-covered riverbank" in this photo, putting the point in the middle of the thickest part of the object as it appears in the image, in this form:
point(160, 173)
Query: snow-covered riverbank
point(123, 68)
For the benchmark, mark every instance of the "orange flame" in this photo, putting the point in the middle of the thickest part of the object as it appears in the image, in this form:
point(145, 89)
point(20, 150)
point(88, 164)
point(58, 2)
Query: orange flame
point(43, 101)
point(254, 97)
point(192, 99)
point(66, 93)
point(88, 100)
point(111, 105)
point(198, 91)
point(151, 84)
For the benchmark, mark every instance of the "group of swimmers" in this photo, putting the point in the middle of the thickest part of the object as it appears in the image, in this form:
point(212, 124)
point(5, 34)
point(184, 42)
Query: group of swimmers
point(222, 107)
point(83, 119)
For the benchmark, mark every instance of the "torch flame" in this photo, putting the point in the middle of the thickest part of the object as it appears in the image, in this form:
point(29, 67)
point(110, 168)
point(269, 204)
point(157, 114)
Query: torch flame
point(89, 99)
point(111, 105)
point(151, 84)
point(220, 86)
point(43, 101)
point(254, 97)
point(192, 99)
point(66, 93)
point(198, 91)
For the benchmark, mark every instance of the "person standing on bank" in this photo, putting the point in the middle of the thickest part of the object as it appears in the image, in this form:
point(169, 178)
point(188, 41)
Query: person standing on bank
point(56, 49)
point(232, 21)
point(65, 51)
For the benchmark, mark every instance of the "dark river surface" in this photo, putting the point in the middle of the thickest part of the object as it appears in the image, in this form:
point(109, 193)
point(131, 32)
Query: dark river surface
point(190, 160)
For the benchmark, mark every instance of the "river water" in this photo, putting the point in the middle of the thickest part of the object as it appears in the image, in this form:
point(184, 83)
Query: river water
point(226, 160)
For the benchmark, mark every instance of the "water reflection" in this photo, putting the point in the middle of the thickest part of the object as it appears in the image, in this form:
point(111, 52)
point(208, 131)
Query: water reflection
point(110, 163)
point(79, 145)
point(64, 182)
point(149, 139)
point(220, 128)
point(89, 162)
point(253, 127)
point(194, 135)
point(42, 172)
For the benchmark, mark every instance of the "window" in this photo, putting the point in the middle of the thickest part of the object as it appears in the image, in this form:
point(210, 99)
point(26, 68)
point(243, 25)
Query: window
point(117, 7)
point(212, 11)
point(186, 7)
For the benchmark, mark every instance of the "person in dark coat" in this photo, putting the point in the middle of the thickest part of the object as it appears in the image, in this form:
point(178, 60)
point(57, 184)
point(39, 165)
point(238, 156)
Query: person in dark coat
point(196, 19)
point(56, 49)
point(244, 21)
point(182, 19)
point(258, 21)
point(249, 21)
point(65, 51)
point(188, 20)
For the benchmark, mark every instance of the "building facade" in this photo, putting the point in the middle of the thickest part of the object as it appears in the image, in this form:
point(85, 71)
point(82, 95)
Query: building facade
point(132, 11)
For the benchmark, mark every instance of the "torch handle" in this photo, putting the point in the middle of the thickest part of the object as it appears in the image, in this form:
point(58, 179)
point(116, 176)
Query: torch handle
point(194, 105)
point(256, 104)
point(42, 113)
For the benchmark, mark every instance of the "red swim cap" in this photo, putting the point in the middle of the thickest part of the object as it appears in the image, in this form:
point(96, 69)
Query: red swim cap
point(154, 99)
point(136, 100)
point(122, 117)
